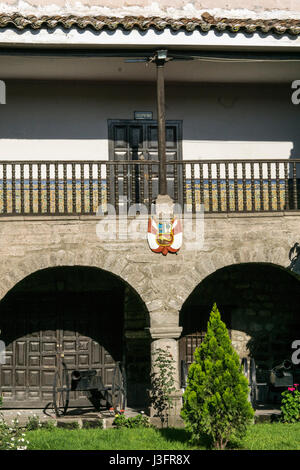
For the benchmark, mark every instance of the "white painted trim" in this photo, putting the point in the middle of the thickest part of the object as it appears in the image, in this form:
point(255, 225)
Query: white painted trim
point(151, 38)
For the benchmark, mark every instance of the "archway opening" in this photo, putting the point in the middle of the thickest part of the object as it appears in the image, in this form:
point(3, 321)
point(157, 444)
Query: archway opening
point(90, 316)
point(260, 305)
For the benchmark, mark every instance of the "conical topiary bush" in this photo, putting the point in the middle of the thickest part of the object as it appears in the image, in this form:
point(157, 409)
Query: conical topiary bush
point(216, 398)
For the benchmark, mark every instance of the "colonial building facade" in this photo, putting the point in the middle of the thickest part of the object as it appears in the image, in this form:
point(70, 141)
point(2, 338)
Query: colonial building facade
point(107, 108)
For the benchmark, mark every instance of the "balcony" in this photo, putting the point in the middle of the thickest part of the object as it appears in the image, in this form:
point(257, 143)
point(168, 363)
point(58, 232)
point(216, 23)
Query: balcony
point(89, 187)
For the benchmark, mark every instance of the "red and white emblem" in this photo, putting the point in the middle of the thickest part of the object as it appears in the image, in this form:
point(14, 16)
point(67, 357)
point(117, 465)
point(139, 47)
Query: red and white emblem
point(164, 236)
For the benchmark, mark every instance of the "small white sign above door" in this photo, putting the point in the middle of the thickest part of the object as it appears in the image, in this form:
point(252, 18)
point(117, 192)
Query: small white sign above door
point(143, 115)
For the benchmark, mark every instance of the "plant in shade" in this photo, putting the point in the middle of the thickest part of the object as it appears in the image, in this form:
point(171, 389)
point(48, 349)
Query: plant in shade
point(216, 398)
point(290, 404)
point(162, 384)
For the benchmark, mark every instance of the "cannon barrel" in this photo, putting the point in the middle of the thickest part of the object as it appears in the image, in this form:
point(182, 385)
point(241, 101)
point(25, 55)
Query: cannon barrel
point(285, 365)
point(280, 369)
point(282, 375)
point(75, 375)
point(82, 374)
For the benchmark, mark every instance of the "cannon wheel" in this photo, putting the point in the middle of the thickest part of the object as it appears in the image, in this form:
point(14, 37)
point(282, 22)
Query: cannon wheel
point(118, 389)
point(61, 391)
point(252, 382)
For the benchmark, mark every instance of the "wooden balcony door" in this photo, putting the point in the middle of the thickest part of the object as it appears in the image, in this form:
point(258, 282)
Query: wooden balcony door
point(133, 140)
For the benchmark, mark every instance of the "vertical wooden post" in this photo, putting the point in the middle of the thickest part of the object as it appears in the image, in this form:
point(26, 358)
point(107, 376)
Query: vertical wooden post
point(161, 125)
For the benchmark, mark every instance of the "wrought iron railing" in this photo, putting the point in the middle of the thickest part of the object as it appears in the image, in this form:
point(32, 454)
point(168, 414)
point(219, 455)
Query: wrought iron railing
point(241, 185)
point(74, 187)
point(84, 187)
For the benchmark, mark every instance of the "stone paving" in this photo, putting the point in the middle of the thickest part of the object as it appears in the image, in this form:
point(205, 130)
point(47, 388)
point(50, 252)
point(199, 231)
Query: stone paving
point(48, 415)
point(261, 415)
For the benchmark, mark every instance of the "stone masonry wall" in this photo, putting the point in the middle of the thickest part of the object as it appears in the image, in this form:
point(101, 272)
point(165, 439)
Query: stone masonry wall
point(30, 244)
point(164, 283)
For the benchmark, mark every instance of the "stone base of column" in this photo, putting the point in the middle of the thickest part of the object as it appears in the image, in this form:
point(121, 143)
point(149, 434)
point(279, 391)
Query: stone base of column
point(173, 418)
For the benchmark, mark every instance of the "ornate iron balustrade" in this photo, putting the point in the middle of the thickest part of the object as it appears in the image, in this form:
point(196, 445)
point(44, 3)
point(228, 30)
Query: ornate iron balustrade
point(82, 187)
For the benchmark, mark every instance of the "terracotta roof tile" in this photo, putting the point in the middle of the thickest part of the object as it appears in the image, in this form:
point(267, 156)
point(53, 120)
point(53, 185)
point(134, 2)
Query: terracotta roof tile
point(203, 23)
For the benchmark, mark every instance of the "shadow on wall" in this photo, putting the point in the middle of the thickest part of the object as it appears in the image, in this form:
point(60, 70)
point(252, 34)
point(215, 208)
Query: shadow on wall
point(215, 112)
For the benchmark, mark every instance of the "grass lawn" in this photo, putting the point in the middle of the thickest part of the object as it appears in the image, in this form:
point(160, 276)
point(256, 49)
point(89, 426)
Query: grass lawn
point(108, 439)
point(276, 436)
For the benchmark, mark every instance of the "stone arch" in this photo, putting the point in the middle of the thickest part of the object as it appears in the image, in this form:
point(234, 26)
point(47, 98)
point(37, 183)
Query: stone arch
point(67, 307)
point(109, 261)
point(259, 304)
point(209, 262)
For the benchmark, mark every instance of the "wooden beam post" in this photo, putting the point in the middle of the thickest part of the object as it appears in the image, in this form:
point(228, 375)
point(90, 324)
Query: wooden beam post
point(161, 124)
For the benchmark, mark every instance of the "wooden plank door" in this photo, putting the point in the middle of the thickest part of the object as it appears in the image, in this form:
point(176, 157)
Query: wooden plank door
point(131, 140)
point(37, 329)
point(31, 339)
point(87, 336)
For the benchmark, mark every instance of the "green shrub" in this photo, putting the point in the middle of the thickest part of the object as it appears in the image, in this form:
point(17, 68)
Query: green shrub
point(120, 421)
point(12, 436)
point(33, 423)
point(290, 405)
point(139, 421)
point(216, 402)
point(92, 424)
point(49, 425)
point(68, 424)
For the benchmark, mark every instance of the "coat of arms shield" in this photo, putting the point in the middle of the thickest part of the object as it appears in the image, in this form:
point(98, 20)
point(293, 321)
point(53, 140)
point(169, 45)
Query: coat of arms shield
point(164, 236)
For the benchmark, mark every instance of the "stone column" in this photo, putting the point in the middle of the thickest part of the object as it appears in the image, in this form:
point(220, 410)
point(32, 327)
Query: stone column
point(163, 337)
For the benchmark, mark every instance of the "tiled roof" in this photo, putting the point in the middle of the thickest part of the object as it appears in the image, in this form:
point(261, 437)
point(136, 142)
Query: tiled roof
point(203, 23)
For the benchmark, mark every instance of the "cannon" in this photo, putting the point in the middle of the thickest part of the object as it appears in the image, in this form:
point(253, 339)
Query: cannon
point(266, 386)
point(85, 380)
point(282, 375)
point(91, 384)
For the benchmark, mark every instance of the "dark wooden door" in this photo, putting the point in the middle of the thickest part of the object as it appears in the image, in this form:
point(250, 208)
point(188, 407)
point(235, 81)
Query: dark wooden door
point(187, 346)
point(132, 140)
point(86, 338)
point(31, 348)
point(37, 331)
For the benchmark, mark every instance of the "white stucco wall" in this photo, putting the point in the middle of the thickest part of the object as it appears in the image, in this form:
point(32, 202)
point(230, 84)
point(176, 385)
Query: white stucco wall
point(250, 9)
point(188, 8)
point(68, 120)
